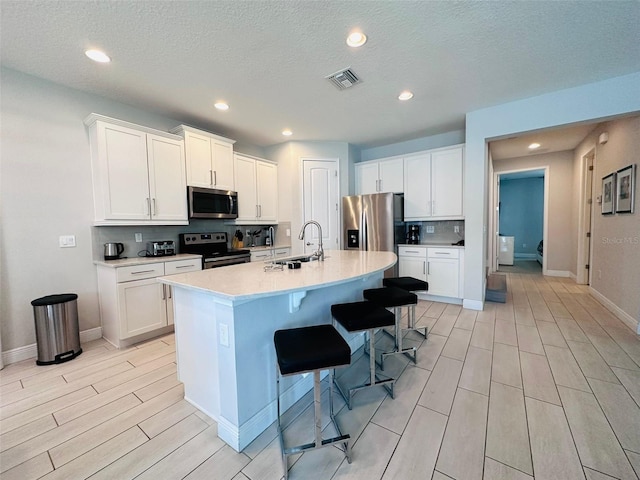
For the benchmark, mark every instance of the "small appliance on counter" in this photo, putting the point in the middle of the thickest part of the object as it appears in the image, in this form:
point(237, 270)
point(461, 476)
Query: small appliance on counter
point(161, 248)
point(113, 250)
point(413, 234)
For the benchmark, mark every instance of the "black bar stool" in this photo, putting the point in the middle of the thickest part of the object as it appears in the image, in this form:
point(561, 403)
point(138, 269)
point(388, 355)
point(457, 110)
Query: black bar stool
point(396, 298)
point(412, 285)
point(311, 349)
point(364, 317)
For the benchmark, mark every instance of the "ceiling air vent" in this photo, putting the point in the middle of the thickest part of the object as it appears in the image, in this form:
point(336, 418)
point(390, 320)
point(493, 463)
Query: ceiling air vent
point(343, 79)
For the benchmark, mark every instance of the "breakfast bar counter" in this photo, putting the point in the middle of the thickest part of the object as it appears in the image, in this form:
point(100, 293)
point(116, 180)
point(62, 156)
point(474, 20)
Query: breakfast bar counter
point(225, 319)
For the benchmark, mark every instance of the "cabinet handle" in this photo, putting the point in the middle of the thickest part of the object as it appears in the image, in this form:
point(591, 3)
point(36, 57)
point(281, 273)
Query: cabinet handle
point(424, 267)
point(380, 187)
point(210, 177)
point(169, 288)
point(411, 251)
point(442, 253)
point(154, 208)
point(184, 266)
point(141, 271)
point(215, 177)
point(148, 210)
point(428, 268)
point(164, 292)
point(260, 210)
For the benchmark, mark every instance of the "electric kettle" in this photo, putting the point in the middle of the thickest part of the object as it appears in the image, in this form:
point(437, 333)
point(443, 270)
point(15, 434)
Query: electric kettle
point(112, 251)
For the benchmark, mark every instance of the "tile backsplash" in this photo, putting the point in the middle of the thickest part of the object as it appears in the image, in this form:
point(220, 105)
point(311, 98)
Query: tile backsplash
point(126, 235)
point(443, 231)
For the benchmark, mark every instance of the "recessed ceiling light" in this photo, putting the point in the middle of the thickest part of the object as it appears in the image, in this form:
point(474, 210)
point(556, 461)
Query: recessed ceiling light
point(533, 146)
point(221, 106)
point(287, 133)
point(98, 56)
point(356, 39)
point(406, 95)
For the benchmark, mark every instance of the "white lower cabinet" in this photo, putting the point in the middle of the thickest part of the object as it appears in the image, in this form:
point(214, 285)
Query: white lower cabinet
point(133, 302)
point(441, 268)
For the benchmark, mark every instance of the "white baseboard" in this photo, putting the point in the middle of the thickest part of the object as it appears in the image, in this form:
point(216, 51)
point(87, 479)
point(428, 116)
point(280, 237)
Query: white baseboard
point(31, 351)
point(472, 304)
point(557, 273)
point(627, 319)
point(438, 298)
point(573, 277)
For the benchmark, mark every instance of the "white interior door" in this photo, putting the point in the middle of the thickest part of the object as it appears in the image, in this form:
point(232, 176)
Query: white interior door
point(321, 202)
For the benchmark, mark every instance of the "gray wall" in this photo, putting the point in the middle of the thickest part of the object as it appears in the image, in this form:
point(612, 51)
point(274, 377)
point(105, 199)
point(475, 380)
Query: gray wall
point(615, 268)
point(46, 191)
point(411, 146)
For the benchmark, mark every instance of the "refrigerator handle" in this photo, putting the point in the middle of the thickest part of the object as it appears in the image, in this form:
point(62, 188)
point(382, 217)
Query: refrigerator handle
point(363, 231)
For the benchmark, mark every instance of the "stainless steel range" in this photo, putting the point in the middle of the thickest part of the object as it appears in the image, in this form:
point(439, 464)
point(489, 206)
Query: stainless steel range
point(213, 248)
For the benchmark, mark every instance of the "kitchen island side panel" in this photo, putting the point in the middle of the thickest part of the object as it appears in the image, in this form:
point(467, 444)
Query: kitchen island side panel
point(235, 384)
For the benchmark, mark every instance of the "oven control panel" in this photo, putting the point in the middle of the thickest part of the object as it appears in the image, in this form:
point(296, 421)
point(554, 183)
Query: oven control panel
point(203, 238)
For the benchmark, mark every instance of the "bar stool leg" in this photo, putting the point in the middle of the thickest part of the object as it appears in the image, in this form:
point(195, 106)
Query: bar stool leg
point(411, 352)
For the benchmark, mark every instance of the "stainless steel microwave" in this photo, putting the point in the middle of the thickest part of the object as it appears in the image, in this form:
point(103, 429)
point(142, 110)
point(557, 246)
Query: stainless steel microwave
point(211, 203)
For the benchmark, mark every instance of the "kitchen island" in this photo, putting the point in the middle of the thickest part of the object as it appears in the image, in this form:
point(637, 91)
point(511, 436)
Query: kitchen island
point(224, 322)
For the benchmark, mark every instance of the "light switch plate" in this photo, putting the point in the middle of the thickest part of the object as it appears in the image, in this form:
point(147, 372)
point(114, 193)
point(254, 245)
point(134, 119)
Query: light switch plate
point(138, 238)
point(67, 241)
point(430, 229)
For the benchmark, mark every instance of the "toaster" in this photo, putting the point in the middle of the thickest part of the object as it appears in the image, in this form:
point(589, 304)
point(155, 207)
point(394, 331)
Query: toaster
point(161, 248)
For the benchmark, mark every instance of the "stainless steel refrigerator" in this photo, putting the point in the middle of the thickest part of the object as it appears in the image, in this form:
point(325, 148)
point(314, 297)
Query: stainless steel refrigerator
point(373, 222)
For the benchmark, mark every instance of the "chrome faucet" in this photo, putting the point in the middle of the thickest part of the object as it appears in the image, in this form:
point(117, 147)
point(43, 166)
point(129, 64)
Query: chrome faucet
point(320, 252)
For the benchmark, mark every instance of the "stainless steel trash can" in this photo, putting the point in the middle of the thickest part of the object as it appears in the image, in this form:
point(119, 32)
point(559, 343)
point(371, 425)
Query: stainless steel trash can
point(57, 331)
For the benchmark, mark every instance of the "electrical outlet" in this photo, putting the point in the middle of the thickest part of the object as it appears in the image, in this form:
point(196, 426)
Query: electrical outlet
point(599, 274)
point(431, 229)
point(67, 241)
point(138, 238)
point(248, 232)
point(224, 335)
point(288, 232)
point(456, 229)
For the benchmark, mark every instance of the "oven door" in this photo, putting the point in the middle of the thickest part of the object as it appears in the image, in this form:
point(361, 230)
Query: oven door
point(211, 203)
point(224, 261)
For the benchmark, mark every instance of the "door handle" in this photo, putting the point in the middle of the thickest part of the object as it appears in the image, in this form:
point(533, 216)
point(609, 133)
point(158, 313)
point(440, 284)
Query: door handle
point(309, 244)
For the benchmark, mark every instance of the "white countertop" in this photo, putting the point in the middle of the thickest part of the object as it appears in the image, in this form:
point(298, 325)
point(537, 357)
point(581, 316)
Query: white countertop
point(128, 262)
point(249, 281)
point(438, 244)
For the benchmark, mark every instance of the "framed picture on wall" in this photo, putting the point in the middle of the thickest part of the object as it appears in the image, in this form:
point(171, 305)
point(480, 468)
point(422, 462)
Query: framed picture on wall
point(608, 191)
point(625, 189)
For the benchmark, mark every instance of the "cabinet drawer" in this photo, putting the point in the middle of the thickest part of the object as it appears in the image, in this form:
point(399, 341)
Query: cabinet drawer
point(139, 272)
point(443, 253)
point(257, 256)
point(412, 252)
point(182, 266)
point(282, 252)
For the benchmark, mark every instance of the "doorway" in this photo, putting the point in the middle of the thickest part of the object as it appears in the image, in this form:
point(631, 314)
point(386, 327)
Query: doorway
point(520, 220)
point(321, 202)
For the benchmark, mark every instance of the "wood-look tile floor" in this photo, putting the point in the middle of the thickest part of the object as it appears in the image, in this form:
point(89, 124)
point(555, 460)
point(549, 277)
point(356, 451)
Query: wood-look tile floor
point(546, 386)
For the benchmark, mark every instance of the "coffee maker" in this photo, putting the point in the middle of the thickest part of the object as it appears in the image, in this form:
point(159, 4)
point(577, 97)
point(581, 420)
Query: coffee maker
point(413, 234)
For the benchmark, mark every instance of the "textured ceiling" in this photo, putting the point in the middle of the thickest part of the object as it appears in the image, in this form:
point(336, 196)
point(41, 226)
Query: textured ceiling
point(268, 59)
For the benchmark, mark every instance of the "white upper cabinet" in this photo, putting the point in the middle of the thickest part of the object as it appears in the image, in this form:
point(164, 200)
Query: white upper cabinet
point(433, 184)
point(209, 158)
point(379, 176)
point(257, 186)
point(138, 174)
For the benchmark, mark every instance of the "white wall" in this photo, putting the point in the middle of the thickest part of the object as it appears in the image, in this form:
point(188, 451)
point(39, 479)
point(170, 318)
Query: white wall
point(45, 192)
point(589, 102)
point(559, 241)
point(289, 157)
